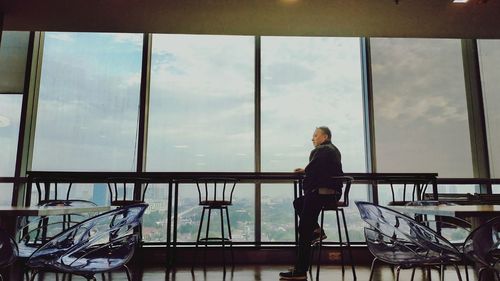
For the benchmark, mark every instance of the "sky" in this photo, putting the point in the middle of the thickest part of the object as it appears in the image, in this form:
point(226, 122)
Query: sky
point(13, 53)
point(489, 58)
point(202, 106)
point(421, 122)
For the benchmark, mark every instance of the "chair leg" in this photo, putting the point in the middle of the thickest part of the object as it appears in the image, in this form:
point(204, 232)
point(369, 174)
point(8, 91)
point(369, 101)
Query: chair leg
point(372, 268)
point(320, 245)
point(340, 241)
point(398, 270)
point(466, 272)
point(311, 257)
point(413, 273)
point(223, 241)
point(33, 274)
point(480, 273)
point(441, 272)
point(206, 238)
point(127, 271)
point(348, 245)
point(230, 237)
point(458, 272)
point(198, 238)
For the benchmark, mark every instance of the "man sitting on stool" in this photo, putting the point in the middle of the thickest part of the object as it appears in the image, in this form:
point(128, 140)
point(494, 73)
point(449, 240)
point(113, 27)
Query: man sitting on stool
point(319, 190)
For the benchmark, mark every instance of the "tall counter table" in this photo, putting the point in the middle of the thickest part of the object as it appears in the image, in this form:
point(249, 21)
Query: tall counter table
point(8, 215)
point(172, 180)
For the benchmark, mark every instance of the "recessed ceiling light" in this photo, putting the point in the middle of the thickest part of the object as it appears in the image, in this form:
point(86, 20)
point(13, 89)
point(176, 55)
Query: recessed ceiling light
point(460, 1)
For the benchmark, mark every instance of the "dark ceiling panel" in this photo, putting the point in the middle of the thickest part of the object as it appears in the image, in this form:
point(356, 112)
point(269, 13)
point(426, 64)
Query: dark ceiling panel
point(372, 18)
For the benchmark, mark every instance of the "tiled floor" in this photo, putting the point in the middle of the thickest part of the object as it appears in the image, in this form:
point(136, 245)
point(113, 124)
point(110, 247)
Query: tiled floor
point(264, 273)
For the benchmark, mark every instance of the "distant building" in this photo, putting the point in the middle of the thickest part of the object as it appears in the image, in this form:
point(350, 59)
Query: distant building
point(100, 194)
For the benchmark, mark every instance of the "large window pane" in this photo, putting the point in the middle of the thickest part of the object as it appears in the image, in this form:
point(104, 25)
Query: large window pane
point(489, 57)
point(5, 194)
point(308, 82)
point(201, 119)
point(88, 104)
point(241, 214)
point(201, 104)
point(13, 54)
point(420, 109)
point(10, 112)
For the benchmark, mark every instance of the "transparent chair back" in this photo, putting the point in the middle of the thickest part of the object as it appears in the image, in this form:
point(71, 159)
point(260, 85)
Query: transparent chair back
point(99, 244)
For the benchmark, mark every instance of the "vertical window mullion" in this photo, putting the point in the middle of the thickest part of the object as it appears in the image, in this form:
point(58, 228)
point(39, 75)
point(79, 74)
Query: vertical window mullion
point(369, 123)
point(258, 142)
point(475, 109)
point(143, 111)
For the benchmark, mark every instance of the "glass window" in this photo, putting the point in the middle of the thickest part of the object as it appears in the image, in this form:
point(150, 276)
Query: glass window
point(489, 59)
point(202, 119)
point(421, 122)
point(5, 194)
point(88, 103)
point(495, 189)
point(202, 103)
point(308, 82)
point(10, 112)
point(13, 56)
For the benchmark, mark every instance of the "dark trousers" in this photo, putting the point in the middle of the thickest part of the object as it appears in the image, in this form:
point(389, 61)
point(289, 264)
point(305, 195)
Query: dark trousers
point(308, 208)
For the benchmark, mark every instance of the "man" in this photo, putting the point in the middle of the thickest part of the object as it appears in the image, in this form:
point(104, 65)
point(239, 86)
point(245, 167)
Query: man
point(319, 189)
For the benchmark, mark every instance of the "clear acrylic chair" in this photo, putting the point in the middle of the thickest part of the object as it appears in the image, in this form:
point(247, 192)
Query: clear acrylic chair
point(483, 247)
point(401, 241)
point(100, 244)
point(8, 250)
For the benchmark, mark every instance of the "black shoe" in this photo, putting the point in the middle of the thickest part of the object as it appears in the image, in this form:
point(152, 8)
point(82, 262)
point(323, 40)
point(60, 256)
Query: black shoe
point(293, 275)
point(318, 237)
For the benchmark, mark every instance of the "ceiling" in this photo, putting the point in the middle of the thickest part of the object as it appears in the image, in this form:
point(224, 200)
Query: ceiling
point(371, 18)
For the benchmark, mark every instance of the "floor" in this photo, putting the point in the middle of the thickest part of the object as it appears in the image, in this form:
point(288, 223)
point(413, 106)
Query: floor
point(264, 273)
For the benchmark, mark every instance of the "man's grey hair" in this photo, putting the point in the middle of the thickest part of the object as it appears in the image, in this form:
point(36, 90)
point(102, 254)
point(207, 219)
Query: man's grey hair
point(326, 131)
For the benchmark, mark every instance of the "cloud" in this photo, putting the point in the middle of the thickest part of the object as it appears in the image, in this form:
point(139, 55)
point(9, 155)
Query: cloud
point(128, 38)
point(61, 36)
point(420, 106)
point(4, 121)
point(132, 81)
point(436, 110)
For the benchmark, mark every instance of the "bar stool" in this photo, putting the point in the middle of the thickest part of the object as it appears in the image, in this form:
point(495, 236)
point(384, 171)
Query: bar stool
point(117, 188)
point(418, 189)
point(215, 194)
point(338, 207)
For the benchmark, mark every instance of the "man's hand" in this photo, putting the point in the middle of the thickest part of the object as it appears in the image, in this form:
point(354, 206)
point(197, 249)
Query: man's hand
point(299, 170)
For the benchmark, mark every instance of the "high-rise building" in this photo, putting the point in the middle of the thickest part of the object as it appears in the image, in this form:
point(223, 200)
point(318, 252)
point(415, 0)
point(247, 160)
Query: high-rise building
point(100, 194)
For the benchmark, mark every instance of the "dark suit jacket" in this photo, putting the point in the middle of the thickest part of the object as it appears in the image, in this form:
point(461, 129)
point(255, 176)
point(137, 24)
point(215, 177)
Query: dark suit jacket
point(324, 163)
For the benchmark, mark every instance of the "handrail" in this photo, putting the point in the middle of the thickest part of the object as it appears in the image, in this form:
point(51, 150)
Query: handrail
point(244, 177)
point(13, 179)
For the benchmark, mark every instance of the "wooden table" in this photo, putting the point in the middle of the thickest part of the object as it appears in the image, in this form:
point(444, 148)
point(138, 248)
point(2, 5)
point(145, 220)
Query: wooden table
point(476, 214)
point(8, 214)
